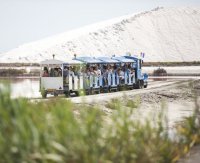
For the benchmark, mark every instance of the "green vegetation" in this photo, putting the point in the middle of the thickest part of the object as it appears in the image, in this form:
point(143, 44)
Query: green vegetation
point(12, 72)
point(59, 131)
point(18, 64)
point(114, 104)
point(160, 72)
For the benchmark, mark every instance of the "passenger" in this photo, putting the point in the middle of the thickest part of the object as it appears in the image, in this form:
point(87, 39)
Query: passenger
point(45, 74)
point(65, 74)
point(88, 71)
point(105, 75)
point(76, 71)
point(59, 72)
point(56, 72)
point(83, 70)
point(52, 72)
point(132, 72)
point(115, 68)
point(79, 70)
point(121, 75)
point(129, 68)
point(109, 69)
point(91, 71)
point(66, 71)
point(71, 72)
point(97, 71)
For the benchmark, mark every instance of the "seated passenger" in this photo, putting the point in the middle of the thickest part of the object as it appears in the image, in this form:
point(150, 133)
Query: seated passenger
point(56, 72)
point(110, 69)
point(87, 71)
point(79, 71)
point(76, 71)
point(83, 70)
point(52, 72)
point(71, 72)
point(65, 71)
point(59, 72)
point(105, 75)
point(97, 71)
point(91, 71)
point(121, 75)
point(45, 74)
point(132, 71)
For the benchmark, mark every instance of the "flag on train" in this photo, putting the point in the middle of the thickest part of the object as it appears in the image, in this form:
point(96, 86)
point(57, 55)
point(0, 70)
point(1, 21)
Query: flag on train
point(142, 55)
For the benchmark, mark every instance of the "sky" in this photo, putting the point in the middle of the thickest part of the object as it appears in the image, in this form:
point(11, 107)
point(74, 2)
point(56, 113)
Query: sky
point(23, 21)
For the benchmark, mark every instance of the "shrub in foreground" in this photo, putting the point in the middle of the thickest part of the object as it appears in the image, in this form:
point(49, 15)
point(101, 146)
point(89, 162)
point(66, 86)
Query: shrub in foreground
point(53, 131)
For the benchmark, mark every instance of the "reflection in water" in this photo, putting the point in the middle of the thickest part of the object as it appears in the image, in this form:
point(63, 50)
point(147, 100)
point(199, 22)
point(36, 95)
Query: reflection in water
point(28, 88)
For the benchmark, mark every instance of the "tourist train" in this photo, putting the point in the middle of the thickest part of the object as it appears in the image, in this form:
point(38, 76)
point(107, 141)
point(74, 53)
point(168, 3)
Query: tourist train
point(89, 75)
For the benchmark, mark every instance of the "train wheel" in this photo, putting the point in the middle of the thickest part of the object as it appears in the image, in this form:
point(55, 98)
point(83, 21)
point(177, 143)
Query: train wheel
point(44, 94)
point(141, 84)
point(76, 93)
point(117, 90)
point(55, 94)
point(98, 91)
point(91, 91)
point(101, 90)
point(137, 85)
point(66, 94)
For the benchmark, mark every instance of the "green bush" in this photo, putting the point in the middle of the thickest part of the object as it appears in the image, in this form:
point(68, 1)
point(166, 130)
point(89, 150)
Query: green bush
point(11, 72)
point(160, 72)
point(59, 131)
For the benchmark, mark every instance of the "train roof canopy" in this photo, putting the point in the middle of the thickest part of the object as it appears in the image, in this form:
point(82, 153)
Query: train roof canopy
point(73, 62)
point(90, 60)
point(108, 60)
point(51, 62)
point(133, 57)
point(123, 59)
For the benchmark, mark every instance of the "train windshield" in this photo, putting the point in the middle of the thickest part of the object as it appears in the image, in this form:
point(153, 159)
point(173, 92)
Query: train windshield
point(51, 68)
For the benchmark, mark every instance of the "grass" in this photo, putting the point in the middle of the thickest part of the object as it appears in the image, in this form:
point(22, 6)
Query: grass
point(114, 104)
point(159, 72)
point(50, 131)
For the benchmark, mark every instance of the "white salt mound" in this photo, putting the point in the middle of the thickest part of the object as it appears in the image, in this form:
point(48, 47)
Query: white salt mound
point(163, 34)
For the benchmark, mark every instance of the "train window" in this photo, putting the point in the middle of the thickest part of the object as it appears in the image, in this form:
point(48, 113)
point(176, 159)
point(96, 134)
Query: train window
point(47, 71)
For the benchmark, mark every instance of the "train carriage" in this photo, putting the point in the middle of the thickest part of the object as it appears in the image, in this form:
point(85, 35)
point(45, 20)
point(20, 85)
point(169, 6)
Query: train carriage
point(128, 75)
point(72, 77)
point(112, 78)
point(92, 82)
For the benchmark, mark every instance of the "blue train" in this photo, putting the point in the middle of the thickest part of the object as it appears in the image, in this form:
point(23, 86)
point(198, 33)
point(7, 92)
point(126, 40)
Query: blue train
point(88, 75)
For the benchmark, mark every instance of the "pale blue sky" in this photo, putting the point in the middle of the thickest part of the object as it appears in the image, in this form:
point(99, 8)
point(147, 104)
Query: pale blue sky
point(23, 21)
